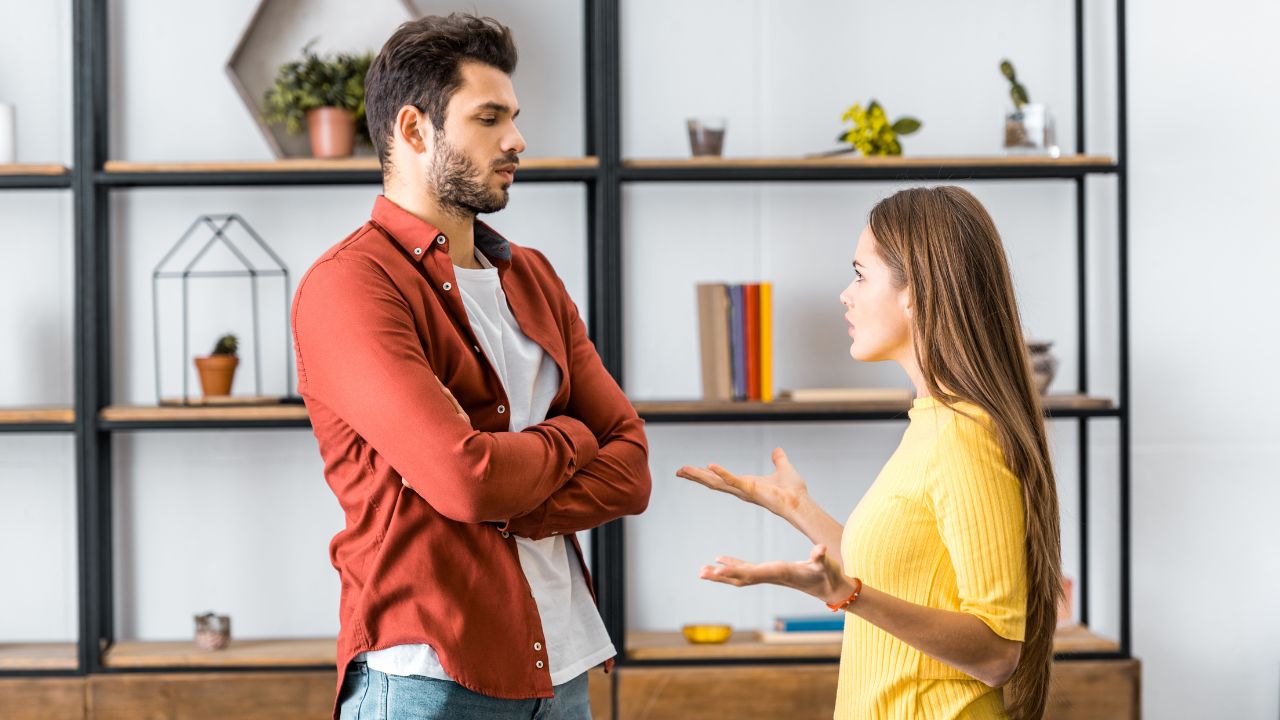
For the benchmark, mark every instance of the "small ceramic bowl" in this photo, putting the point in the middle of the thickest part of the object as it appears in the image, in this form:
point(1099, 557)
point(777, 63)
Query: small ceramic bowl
point(707, 634)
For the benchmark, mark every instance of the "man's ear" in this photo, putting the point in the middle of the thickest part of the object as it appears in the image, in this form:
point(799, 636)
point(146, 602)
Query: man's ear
point(414, 128)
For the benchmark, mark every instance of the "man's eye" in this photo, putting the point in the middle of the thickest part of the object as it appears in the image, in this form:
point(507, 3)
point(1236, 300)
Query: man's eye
point(488, 120)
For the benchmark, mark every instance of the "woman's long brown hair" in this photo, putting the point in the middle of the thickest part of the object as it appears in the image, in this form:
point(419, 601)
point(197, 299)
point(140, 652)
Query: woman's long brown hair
point(942, 245)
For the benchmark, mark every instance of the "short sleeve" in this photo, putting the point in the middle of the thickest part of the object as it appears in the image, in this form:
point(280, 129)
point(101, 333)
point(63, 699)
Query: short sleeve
point(978, 505)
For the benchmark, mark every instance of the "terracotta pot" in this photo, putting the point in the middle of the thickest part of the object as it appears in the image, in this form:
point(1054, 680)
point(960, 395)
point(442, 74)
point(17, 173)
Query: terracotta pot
point(333, 132)
point(216, 373)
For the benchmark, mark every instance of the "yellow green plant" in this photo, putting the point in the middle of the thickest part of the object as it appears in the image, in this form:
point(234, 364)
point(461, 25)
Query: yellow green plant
point(872, 133)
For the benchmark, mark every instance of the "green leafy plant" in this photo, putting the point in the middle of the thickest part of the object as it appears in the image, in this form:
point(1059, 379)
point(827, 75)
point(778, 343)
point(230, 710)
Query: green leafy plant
point(1016, 89)
point(226, 345)
point(314, 82)
point(872, 133)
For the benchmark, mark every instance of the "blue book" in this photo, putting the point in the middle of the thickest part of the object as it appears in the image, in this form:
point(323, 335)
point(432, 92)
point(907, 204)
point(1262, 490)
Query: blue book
point(738, 340)
point(809, 623)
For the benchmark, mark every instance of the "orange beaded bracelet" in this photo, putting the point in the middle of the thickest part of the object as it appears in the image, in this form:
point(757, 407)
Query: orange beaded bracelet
point(841, 607)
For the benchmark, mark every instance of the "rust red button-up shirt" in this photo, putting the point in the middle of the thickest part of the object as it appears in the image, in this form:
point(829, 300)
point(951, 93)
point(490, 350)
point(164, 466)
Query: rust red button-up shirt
point(379, 325)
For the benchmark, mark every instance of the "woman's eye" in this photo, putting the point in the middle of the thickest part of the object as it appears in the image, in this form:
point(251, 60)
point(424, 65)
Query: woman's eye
point(857, 276)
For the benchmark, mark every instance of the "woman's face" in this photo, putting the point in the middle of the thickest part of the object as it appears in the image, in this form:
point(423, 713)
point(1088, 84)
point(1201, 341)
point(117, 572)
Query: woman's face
point(878, 314)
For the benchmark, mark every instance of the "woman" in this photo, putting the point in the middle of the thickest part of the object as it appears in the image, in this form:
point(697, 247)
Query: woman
point(950, 562)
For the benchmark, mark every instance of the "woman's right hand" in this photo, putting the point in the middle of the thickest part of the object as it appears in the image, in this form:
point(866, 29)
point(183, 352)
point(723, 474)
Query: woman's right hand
point(781, 493)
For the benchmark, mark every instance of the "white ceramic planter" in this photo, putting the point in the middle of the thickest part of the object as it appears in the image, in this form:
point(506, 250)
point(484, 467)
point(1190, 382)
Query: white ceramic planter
point(8, 135)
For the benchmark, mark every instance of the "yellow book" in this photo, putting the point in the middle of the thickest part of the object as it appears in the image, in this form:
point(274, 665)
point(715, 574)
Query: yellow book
point(766, 342)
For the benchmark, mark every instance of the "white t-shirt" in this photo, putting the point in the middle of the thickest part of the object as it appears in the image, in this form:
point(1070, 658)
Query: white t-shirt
point(575, 635)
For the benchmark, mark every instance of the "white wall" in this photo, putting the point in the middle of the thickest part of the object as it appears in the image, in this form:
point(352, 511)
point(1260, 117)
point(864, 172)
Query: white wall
point(198, 513)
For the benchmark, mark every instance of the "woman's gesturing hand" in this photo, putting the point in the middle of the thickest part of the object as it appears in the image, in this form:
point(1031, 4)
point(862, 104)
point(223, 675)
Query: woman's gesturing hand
point(819, 576)
point(780, 493)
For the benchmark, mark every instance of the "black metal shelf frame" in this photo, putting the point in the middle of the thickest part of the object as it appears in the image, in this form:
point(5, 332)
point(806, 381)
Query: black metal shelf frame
point(36, 182)
point(37, 427)
point(92, 185)
point(792, 173)
point(294, 178)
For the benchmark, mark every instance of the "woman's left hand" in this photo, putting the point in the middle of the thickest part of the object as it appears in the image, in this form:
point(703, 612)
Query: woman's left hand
point(819, 576)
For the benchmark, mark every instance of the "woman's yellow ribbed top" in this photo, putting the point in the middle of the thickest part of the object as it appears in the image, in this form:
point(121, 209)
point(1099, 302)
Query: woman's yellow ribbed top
point(942, 526)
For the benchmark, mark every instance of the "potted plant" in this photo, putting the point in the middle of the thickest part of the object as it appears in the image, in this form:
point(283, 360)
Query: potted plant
point(872, 134)
point(327, 93)
point(1030, 126)
point(218, 369)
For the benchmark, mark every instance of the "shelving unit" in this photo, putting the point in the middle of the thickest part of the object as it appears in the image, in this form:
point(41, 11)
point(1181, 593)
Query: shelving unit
point(44, 419)
point(350, 171)
point(847, 168)
point(34, 177)
point(603, 172)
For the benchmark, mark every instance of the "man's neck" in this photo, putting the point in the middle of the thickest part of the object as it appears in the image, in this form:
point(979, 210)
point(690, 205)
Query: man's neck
point(459, 228)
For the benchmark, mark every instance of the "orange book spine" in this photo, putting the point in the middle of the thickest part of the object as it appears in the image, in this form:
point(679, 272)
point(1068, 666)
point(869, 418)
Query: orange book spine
point(753, 340)
point(766, 342)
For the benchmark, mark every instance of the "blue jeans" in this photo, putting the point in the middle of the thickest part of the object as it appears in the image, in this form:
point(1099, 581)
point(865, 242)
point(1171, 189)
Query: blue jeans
point(371, 695)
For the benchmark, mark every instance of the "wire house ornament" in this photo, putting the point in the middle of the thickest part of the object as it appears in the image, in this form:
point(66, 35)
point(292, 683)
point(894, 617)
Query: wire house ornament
point(218, 226)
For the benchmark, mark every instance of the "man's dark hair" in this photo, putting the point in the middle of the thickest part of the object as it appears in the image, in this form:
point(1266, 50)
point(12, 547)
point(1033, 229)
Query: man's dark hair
point(420, 65)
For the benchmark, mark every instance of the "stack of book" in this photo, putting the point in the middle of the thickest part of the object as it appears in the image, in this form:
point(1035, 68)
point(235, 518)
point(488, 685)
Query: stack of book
point(806, 629)
point(735, 327)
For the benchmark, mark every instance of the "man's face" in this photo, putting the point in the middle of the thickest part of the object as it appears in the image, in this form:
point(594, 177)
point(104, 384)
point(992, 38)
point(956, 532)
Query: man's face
point(474, 157)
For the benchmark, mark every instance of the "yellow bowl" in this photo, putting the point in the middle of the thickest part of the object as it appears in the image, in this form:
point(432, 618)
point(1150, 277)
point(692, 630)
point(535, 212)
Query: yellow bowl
point(707, 634)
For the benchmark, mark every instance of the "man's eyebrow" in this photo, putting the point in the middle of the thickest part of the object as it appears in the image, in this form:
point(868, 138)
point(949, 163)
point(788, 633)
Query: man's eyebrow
point(497, 107)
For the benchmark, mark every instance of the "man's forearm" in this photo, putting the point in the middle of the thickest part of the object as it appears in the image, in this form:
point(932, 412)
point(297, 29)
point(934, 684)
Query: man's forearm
point(614, 485)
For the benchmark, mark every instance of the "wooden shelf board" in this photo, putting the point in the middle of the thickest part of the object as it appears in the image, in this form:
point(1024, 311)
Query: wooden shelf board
point(33, 169)
point(21, 416)
point(856, 161)
point(363, 164)
point(240, 653)
point(217, 413)
point(780, 408)
point(39, 656)
point(788, 407)
point(746, 644)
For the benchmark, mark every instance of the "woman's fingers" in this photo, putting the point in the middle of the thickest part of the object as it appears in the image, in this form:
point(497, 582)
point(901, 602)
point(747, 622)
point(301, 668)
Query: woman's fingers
point(710, 480)
point(737, 575)
point(730, 479)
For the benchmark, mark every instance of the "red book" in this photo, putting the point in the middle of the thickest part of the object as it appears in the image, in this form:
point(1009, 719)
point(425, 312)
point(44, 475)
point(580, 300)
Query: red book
point(753, 340)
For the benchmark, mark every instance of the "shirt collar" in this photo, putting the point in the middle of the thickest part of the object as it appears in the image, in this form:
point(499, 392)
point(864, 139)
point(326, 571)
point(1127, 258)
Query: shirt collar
point(419, 238)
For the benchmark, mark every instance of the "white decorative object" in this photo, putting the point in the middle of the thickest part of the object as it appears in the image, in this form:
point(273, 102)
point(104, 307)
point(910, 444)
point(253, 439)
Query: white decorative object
point(1030, 130)
point(8, 135)
point(279, 29)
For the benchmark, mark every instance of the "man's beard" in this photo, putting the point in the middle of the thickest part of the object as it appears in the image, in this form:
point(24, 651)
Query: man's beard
point(458, 184)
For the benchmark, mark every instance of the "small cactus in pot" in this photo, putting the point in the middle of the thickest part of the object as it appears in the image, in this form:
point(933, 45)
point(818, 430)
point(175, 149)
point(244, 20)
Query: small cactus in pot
point(218, 369)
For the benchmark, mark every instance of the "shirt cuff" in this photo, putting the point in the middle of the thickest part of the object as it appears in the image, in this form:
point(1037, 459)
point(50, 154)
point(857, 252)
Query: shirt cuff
point(581, 439)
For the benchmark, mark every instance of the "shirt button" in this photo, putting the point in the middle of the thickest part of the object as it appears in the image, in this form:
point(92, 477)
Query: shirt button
point(476, 348)
point(502, 409)
point(417, 251)
point(537, 646)
point(506, 534)
point(448, 287)
point(440, 240)
point(539, 664)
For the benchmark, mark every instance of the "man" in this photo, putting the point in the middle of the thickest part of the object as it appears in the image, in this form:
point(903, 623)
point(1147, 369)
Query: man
point(466, 423)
